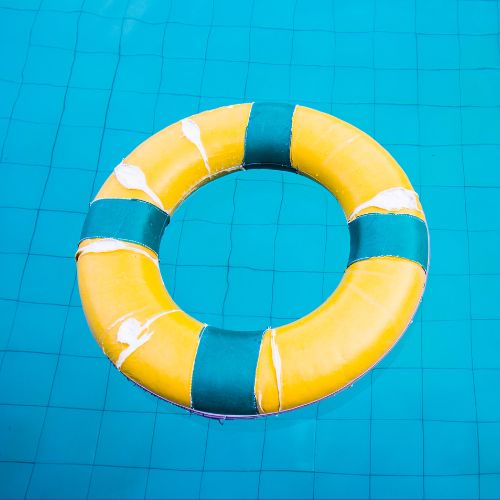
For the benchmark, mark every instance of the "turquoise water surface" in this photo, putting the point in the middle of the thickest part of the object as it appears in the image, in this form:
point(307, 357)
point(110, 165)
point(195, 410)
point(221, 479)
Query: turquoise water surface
point(83, 82)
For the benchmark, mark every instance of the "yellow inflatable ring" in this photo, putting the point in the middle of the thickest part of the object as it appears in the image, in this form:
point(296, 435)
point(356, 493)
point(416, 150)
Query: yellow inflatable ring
point(245, 374)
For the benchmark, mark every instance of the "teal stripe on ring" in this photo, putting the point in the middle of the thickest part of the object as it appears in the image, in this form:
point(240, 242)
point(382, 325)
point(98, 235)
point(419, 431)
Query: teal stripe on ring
point(136, 221)
point(268, 136)
point(397, 235)
point(224, 372)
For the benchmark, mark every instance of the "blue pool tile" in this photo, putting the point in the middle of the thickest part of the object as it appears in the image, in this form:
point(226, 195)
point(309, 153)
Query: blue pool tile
point(343, 446)
point(235, 445)
point(296, 293)
point(138, 73)
point(195, 12)
point(7, 314)
point(230, 485)
point(354, 17)
point(179, 442)
point(57, 233)
point(241, 322)
point(26, 378)
point(286, 485)
point(479, 87)
point(77, 147)
point(11, 267)
point(134, 433)
point(194, 41)
point(450, 448)
point(439, 125)
point(446, 298)
point(69, 436)
point(38, 327)
point(351, 403)
point(104, 65)
point(479, 52)
point(407, 351)
point(41, 139)
point(118, 482)
point(483, 296)
point(354, 49)
point(278, 15)
point(386, 120)
point(77, 339)
point(353, 85)
point(476, 18)
point(336, 250)
point(480, 125)
point(300, 248)
point(98, 34)
point(123, 395)
point(436, 16)
point(19, 432)
point(486, 343)
point(441, 166)
point(215, 239)
point(85, 107)
point(276, 75)
point(439, 88)
point(59, 481)
point(448, 395)
point(174, 484)
point(9, 92)
point(233, 89)
point(48, 66)
point(396, 394)
point(115, 8)
point(319, 18)
point(396, 447)
point(477, 160)
point(131, 111)
point(488, 398)
point(226, 11)
point(80, 383)
point(300, 89)
point(182, 76)
point(219, 48)
point(257, 202)
point(397, 487)
point(481, 201)
point(446, 344)
point(395, 50)
point(55, 29)
point(15, 479)
point(394, 15)
point(115, 145)
point(449, 251)
point(322, 41)
point(490, 485)
point(341, 487)
point(48, 279)
point(16, 227)
point(141, 38)
point(396, 86)
point(250, 246)
point(17, 193)
point(289, 445)
point(438, 52)
point(270, 46)
point(39, 103)
point(489, 444)
point(68, 190)
point(451, 487)
point(483, 247)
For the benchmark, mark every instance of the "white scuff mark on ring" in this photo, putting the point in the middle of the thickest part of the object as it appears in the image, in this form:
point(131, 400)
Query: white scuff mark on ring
point(192, 132)
point(134, 334)
point(277, 364)
point(132, 177)
point(111, 245)
point(397, 198)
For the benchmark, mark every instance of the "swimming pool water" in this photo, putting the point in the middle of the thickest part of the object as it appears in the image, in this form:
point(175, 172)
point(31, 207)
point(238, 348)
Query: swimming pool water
point(84, 81)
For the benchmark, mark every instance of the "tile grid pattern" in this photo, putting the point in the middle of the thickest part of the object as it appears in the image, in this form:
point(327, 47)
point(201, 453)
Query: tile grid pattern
point(426, 421)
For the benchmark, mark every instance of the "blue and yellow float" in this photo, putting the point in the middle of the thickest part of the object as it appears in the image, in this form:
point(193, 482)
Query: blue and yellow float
point(223, 373)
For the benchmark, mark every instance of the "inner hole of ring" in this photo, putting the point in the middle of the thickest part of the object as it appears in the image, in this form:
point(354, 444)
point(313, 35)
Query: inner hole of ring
point(254, 249)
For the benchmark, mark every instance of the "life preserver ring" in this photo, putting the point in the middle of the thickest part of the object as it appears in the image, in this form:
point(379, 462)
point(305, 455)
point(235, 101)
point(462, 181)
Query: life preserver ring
point(243, 374)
